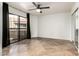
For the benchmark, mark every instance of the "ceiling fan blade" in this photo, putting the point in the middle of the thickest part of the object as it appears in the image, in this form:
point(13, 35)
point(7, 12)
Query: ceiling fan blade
point(44, 7)
point(34, 4)
point(31, 9)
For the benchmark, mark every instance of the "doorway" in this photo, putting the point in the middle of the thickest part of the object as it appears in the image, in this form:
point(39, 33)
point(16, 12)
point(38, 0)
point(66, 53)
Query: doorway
point(76, 28)
point(17, 28)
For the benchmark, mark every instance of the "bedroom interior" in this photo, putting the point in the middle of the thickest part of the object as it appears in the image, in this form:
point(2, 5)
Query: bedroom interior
point(40, 28)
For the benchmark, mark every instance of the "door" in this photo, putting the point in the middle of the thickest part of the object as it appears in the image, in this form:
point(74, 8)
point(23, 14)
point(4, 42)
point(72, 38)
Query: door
point(13, 28)
point(23, 28)
point(76, 28)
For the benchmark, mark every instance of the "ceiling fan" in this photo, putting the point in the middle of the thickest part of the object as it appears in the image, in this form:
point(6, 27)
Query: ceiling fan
point(38, 7)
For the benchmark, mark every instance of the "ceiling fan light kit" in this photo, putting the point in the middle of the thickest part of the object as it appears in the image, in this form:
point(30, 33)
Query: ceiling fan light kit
point(38, 7)
point(38, 10)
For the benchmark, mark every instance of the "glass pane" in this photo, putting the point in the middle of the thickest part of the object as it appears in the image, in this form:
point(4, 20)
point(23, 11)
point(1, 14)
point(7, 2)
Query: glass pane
point(76, 29)
point(23, 27)
point(13, 28)
point(23, 22)
point(13, 21)
point(76, 33)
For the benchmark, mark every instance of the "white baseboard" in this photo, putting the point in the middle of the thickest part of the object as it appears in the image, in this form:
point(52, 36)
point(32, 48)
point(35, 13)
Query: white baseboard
point(50, 38)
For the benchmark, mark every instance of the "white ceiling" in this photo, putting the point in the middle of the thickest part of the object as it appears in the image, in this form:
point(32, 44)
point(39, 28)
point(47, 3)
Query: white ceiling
point(55, 7)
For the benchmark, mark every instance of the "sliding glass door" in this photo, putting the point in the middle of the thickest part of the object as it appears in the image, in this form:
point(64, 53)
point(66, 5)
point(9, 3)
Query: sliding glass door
point(13, 28)
point(76, 28)
point(17, 28)
point(23, 28)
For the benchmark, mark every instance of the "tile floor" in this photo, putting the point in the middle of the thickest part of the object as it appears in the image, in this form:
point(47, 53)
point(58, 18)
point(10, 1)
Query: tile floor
point(41, 47)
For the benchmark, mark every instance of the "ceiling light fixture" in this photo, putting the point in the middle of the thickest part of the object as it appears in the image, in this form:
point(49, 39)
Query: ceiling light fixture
point(38, 10)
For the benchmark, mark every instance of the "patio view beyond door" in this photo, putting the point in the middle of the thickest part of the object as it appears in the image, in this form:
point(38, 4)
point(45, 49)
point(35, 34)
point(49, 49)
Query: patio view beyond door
point(17, 28)
point(23, 28)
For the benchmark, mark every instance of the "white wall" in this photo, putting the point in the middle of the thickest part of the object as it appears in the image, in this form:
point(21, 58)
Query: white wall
point(0, 27)
point(34, 25)
point(55, 26)
point(73, 28)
